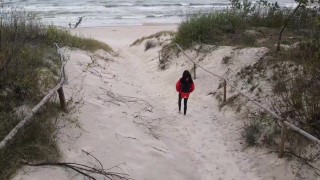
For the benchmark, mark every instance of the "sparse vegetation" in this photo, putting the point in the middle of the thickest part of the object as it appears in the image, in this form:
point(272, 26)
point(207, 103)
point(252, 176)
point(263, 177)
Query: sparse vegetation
point(156, 35)
point(149, 44)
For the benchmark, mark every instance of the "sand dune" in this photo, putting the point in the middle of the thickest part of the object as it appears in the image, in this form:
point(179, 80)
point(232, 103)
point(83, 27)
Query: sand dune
point(130, 116)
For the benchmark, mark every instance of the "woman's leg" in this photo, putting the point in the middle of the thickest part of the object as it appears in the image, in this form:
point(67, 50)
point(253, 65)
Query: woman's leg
point(185, 105)
point(179, 101)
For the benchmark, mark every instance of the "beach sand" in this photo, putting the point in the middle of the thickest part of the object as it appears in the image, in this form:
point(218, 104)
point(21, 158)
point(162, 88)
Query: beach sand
point(129, 116)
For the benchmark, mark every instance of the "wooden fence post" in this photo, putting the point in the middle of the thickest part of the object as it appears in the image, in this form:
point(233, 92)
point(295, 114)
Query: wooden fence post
point(224, 90)
point(283, 140)
point(194, 70)
point(62, 99)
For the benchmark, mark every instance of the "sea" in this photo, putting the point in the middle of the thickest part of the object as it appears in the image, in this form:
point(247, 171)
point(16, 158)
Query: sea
point(118, 12)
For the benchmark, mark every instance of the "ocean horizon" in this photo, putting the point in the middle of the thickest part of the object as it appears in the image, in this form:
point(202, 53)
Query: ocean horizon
point(119, 12)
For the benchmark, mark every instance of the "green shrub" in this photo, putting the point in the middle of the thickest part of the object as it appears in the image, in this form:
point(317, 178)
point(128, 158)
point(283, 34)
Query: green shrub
point(251, 134)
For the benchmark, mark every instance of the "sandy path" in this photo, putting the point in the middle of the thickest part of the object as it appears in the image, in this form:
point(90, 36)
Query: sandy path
point(199, 142)
point(204, 144)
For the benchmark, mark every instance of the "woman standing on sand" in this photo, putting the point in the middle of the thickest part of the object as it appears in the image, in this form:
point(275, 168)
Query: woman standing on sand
point(184, 87)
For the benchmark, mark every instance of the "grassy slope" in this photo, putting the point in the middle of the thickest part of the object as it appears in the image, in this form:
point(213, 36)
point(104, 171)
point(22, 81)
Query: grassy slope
point(29, 67)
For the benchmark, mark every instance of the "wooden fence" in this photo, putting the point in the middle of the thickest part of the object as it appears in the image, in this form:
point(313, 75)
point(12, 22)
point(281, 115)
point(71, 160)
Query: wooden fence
point(284, 123)
point(58, 88)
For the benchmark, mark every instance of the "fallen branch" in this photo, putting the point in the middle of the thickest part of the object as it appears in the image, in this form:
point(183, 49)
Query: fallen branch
point(86, 170)
point(162, 149)
point(117, 99)
point(305, 161)
point(152, 125)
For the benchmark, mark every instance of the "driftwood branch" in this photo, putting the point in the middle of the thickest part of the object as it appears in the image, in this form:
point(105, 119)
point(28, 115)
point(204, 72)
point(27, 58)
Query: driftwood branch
point(286, 23)
point(28, 118)
point(85, 170)
point(79, 21)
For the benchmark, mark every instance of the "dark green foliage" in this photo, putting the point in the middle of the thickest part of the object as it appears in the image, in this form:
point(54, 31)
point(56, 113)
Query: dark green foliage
point(251, 134)
point(35, 143)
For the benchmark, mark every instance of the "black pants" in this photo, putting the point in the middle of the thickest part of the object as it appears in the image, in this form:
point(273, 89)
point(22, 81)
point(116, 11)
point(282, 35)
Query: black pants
point(185, 104)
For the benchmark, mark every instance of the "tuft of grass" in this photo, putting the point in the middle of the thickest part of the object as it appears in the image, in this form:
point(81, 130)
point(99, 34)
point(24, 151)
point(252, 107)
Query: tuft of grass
point(149, 44)
point(251, 133)
point(156, 35)
point(231, 101)
point(226, 60)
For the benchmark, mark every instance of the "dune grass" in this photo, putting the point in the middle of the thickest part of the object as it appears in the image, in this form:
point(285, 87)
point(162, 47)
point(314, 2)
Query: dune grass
point(156, 35)
point(53, 34)
point(228, 27)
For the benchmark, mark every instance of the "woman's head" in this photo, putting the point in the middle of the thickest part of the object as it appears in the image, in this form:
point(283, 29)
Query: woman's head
point(186, 76)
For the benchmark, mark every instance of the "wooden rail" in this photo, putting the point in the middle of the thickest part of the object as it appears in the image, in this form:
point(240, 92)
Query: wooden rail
point(58, 88)
point(285, 124)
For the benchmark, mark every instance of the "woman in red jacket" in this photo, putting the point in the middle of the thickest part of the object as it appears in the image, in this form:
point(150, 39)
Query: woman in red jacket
point(184, 86)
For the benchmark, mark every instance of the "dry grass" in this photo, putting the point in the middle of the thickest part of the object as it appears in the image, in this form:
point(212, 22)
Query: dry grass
point(156, 35)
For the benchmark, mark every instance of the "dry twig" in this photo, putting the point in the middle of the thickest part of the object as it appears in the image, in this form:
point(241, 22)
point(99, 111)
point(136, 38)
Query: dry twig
point(86, 170)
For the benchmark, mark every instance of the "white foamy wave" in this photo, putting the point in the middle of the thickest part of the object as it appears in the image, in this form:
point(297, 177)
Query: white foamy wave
point(132, 17)
point(184, 4)
point(119, 12)
point(65, 8)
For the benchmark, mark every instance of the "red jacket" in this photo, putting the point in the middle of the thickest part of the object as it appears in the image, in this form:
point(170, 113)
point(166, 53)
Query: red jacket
point(179, 86)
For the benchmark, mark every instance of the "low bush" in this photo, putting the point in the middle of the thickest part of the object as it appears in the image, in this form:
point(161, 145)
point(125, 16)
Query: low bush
point(35, 143)
point(251, 133)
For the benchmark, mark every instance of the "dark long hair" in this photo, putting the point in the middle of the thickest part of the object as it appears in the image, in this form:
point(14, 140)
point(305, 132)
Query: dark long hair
point(186, 74)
